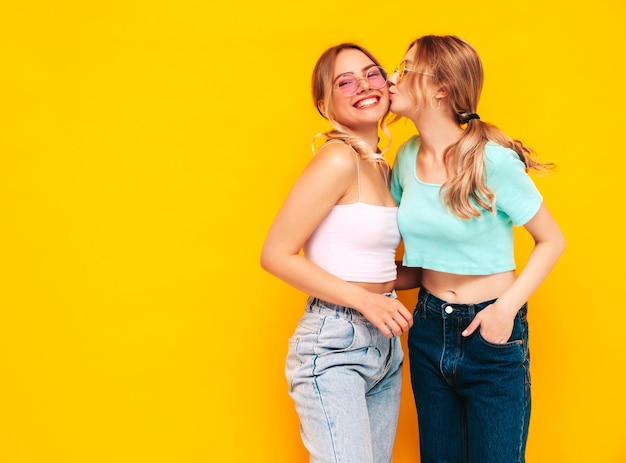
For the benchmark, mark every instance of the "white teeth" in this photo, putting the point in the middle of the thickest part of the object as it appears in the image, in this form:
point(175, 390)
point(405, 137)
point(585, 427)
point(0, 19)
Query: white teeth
point(366, 102)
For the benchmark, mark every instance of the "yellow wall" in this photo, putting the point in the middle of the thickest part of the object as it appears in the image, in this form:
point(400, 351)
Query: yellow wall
point(145, 147)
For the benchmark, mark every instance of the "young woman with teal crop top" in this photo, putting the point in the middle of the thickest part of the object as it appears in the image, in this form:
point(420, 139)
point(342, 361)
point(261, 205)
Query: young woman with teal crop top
point(335, 239)
point(461, 185)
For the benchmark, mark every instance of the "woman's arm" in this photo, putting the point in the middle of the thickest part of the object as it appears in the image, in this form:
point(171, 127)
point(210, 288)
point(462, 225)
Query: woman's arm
point(408, 277)
point(329, 177)
point(496, 321)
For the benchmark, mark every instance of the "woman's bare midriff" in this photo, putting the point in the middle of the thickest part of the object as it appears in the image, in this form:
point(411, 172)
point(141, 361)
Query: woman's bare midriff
point(466, 289)
point(379, 288)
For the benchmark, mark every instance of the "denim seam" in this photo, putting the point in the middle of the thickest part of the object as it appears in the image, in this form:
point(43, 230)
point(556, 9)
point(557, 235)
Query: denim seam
point(328, 421)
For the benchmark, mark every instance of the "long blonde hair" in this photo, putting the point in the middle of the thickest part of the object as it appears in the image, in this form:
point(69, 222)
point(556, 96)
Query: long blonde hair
point(321, 89)
point(458, 69)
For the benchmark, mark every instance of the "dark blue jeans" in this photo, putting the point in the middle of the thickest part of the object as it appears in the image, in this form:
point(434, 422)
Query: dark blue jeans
point(472, 396)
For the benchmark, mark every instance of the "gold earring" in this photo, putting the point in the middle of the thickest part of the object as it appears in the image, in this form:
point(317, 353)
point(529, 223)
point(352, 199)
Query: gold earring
point(438, 103)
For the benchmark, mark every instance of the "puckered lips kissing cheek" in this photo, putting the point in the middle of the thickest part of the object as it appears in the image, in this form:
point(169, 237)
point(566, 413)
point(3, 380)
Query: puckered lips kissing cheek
point(394, 98)
point(392, 92)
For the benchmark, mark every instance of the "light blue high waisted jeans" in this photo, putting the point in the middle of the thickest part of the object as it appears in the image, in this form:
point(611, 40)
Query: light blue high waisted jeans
point(345, 378)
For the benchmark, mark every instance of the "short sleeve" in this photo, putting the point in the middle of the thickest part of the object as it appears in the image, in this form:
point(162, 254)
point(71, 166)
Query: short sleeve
point(516, 193)
point(403, 167)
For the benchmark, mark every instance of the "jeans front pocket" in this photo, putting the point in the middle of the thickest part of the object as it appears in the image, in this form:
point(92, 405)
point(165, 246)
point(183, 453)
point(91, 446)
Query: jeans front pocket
point(519, 334)
point(301, 347)
point(335, 335)
point(510, 357)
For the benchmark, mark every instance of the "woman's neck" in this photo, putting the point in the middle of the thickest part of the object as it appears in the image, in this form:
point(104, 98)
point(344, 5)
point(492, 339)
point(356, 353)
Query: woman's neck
point(369, 136)
point(436, 136)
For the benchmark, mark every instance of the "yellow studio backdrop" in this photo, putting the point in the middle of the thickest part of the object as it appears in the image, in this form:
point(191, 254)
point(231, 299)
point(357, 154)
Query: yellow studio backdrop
point(145, 147)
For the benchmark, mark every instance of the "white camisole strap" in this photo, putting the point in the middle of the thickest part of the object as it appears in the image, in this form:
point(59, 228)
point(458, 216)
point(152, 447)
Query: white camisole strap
point(358, 164)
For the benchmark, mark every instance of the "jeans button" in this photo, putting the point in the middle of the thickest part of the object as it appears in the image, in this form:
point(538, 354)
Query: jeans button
point(449, 310)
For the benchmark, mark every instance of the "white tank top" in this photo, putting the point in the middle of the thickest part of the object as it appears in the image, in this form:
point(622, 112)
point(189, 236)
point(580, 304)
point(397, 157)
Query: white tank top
point(357, 242)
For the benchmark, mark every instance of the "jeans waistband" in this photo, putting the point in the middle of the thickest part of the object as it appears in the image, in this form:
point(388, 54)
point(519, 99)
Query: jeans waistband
point(316, 305)
point(429, 301)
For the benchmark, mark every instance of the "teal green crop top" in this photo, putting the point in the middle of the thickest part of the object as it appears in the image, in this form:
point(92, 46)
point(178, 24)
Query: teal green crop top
point(436, 239)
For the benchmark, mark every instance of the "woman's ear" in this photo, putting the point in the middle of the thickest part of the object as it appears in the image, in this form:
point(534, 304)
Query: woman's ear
point(441, 93)
point(439, 96)
point(321, 108)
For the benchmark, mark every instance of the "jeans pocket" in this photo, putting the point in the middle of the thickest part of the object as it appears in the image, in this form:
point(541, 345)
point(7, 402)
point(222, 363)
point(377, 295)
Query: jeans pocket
point(335, 335)
point(510, 343)
point(301, 346)
point(292, 362)
point(519, 334)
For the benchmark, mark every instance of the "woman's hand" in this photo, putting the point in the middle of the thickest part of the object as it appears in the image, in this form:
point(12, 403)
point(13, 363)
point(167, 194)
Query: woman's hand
point(495, 323)
point(388, 315)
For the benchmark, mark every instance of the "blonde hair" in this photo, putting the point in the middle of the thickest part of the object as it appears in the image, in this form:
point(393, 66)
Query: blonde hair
point(321, 89)
point(458, 70)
